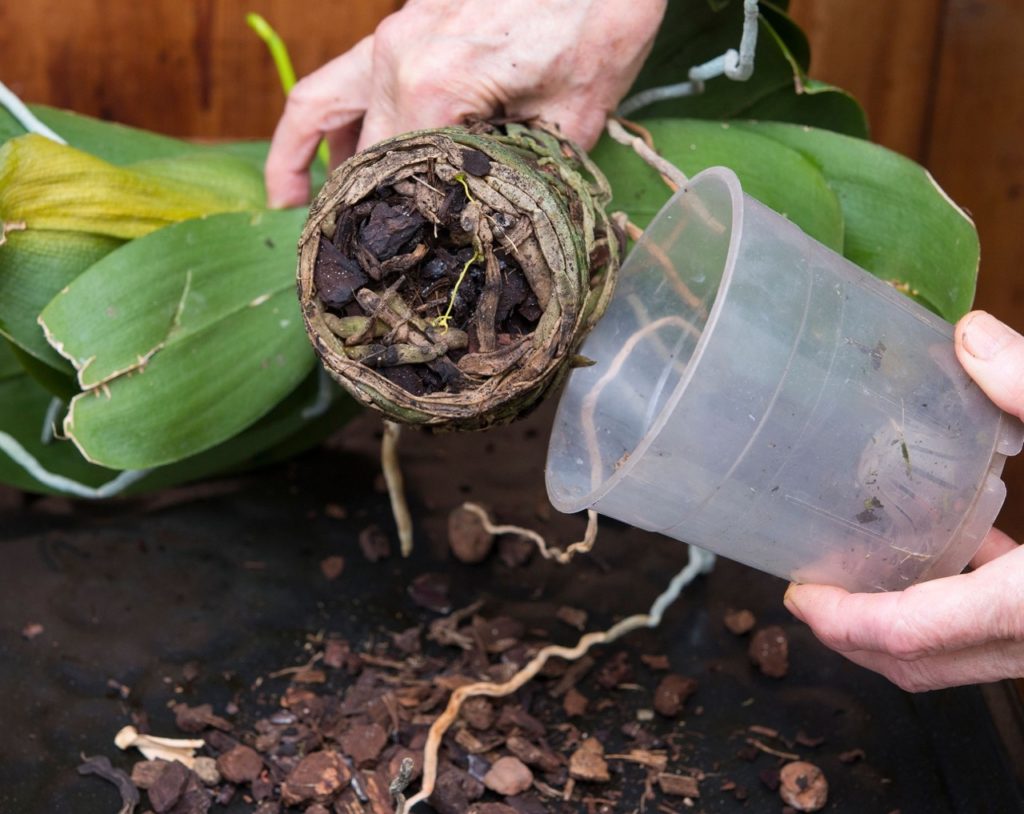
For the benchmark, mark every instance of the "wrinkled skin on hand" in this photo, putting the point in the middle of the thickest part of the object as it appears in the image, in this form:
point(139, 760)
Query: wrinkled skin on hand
point(435, 62)
point(964, 629)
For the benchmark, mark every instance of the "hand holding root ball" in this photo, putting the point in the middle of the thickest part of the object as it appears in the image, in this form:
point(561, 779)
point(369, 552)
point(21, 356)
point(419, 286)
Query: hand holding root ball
point(963, 629)
point(435, 62)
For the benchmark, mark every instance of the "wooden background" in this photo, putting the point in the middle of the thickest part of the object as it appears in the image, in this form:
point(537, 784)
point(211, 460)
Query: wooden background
point(942, 81)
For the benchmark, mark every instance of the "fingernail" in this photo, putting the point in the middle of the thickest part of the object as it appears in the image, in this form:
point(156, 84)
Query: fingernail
point(984, 336)
point(790, 602)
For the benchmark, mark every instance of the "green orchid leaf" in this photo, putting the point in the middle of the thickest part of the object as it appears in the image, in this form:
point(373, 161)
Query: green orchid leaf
point(782, 179)
point(230, 177)
point(723, 98)
point(59, 383)
point(34, 267)
point(55, 187)
point(191, 397)
point(788, 34)
point(813, 103)
point(9, 364)
point(152, 293)
point(693, 33)
point(122, 145)
point(183, 338)
point(115, 143)
point(23, 410)
point(286, 430)
point(820, 105)
point(900, 224)
point(255, 152)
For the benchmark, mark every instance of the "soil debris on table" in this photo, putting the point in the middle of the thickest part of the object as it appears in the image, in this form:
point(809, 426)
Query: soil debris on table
point(332, 566)
point(335, 733)
point(803, 786)
point(769, 651)
point(470, 542)
point(671, 694)
point(739, 622)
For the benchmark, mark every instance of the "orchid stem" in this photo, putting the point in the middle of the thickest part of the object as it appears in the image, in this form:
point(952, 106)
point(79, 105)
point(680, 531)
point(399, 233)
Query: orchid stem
point(283, 63)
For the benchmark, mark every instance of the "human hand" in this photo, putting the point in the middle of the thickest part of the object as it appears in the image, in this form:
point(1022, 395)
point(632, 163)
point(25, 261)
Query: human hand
point(435, 62)
point(964, 629)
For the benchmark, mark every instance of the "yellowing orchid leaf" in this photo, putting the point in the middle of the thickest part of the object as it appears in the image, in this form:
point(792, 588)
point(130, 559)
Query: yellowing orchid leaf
point(56, 187)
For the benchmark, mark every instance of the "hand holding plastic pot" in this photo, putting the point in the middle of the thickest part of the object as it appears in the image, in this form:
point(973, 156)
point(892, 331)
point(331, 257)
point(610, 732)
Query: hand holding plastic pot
point(758, 395)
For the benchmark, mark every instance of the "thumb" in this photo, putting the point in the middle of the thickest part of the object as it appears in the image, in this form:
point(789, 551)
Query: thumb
point(992, 353)
point(330, 101)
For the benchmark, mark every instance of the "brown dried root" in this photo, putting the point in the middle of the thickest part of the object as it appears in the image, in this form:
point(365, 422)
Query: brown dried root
point(389, 463)
point(557, 554)
point(699, 562)
point(674, 177)
point(153, 748)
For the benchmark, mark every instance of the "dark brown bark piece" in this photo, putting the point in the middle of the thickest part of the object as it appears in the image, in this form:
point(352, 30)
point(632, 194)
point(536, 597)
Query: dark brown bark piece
point(364, 743)
point(739, 622)
point(476, 162)
point(513, 716)
point(454, 791)
point(240, 765)
point(478, 713)
point(671, 694)
point(196, 719)
point(146, 772)
point(615, 671)
point(374, 543)
point(587, 762)
point(317, 778)
point(376, 788)
point(332, 566)
point(769, 651)
point(169, 787)
point(679, 785)
point(526, 804)
point(575, 703)
point(389, 228)
point(508, 776)
point(499, 634)
point(430, 591)
point(810, 741)
point(574, 617)
point(657, 662)
point(337, 278)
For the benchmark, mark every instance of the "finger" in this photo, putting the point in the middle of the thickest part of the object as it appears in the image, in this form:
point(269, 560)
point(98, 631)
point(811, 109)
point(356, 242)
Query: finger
point(995, 545)
point(994, 661)
point(993, 355)
point(341, 143)
point(582, 123)
point(330, 98)
point(943, 614)
point(419, 107)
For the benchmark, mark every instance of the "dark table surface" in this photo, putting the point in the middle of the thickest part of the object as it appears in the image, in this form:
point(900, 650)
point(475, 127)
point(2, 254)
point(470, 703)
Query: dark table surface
point(222, 582)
